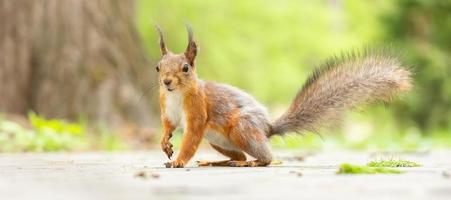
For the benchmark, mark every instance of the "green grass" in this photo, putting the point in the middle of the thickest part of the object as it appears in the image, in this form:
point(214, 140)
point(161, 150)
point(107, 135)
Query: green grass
point(393, 163)
point(346, 168)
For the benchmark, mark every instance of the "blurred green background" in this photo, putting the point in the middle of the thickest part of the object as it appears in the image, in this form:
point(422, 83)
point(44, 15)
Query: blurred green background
point(269, 48)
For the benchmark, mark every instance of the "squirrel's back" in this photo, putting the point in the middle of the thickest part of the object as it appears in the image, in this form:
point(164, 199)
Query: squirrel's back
point(227, 104)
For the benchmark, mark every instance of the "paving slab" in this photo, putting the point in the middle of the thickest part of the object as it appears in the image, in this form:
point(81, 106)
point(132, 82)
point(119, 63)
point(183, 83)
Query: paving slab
point(140, 175)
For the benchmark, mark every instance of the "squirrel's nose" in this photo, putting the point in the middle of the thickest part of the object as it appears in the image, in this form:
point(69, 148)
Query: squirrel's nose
point(167, 81)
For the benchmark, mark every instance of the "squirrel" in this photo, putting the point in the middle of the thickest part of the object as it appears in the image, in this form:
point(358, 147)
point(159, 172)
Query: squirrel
point(234, 123)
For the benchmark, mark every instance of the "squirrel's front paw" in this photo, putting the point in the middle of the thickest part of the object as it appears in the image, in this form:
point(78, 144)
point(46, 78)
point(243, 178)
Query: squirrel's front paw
point(174, 164)
point(166, 146)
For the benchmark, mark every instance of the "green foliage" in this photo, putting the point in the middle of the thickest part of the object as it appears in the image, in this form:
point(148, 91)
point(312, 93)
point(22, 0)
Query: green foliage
point(42, 125)
point(423, 28)
point(393, 163)
point(54, 135)
point(44, 135)
point(14, 137)
point(346, 168)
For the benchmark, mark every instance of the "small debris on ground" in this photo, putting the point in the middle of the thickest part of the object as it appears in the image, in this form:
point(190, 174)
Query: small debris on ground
point(147, 175)
point(297, 173)
point(299, 158)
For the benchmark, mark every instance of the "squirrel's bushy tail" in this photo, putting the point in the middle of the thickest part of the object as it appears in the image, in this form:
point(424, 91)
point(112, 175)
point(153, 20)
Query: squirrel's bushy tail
point(343, 83)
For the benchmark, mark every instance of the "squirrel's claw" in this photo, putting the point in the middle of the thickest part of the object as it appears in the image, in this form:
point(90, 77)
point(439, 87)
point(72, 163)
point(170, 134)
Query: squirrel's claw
point(169, 153)
point(168, 150)
point(166, 146)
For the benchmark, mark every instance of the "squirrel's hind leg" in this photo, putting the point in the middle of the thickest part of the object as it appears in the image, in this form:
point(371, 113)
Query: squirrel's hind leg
point(233, 155)
point(254, 142)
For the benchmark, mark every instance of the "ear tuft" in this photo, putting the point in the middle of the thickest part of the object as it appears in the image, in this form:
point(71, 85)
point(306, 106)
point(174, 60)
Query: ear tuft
point(163, 48)
point(191, 50)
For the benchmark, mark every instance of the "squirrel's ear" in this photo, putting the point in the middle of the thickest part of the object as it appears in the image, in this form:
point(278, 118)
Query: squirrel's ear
point(163, 48)
point(191, 50)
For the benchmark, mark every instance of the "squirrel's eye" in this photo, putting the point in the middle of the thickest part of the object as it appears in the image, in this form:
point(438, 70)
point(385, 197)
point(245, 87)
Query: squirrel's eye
point(185, 68)
point(157, 68)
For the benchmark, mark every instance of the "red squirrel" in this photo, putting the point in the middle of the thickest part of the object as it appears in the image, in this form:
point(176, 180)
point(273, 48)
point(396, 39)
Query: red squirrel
point(234, 123)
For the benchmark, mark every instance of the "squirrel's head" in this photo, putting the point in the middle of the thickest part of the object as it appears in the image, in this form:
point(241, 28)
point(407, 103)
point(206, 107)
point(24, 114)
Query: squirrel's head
point(177, 71)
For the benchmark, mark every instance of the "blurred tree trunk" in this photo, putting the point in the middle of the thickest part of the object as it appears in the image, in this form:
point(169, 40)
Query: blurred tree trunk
point(73, 58)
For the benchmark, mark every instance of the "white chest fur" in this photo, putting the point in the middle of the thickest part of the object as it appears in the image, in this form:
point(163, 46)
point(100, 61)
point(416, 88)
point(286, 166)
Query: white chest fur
point(174, 109)
point(218, 139)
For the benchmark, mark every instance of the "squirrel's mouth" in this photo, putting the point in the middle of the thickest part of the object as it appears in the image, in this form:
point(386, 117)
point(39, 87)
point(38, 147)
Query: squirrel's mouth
point(170, 87)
